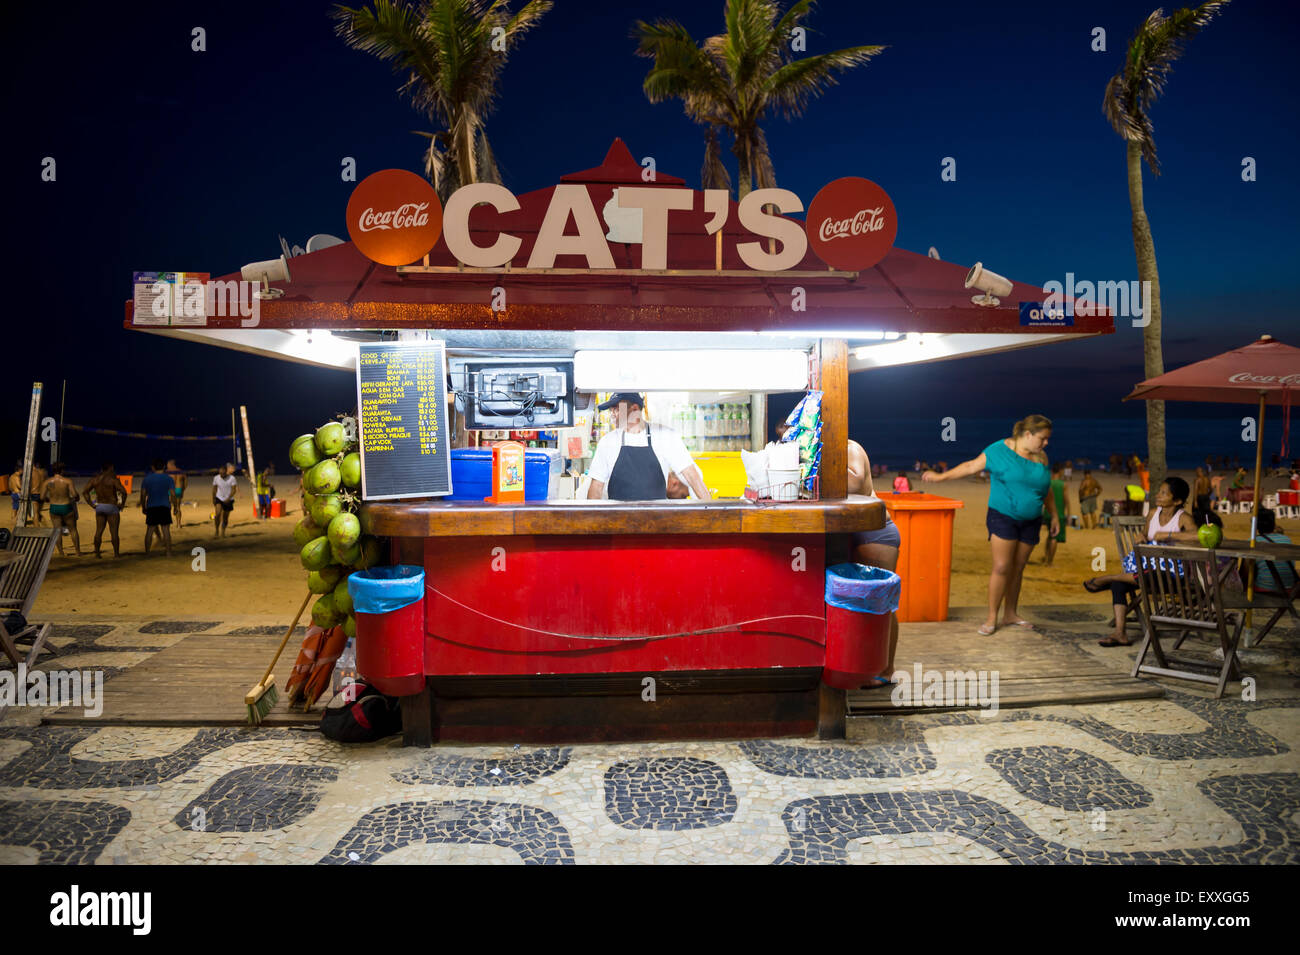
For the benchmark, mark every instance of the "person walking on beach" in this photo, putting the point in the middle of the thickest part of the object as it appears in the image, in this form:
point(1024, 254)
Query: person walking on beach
point(1057, 488)
point(1018, 495)
point(61, 495)
point(156, 502)
point(179, 482)
point(223, 498)
point(1089, 491)
point(108, 496)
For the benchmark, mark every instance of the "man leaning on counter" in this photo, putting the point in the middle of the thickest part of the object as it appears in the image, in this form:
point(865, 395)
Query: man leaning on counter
point(636, 460)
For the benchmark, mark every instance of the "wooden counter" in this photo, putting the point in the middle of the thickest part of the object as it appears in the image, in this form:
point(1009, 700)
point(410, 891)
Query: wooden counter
point(432, 518)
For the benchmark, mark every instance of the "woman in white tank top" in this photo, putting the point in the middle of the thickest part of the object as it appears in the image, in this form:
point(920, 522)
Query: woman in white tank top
point(1170, 523)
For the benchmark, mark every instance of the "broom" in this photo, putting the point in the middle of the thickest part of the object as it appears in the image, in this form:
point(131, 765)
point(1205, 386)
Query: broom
point(263, 696)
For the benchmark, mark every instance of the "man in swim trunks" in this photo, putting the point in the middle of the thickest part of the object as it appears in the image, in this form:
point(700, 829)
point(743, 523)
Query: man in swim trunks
point(1089, 491)
point(156, 500)
point(179, 482)
point(108, 495)
point(16, 489)
point(39, 477)
point(875, 548)
point(62, 496)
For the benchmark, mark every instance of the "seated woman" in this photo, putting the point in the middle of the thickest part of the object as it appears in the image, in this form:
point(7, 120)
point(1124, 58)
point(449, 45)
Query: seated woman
point(1170, 523)
point(901, 483)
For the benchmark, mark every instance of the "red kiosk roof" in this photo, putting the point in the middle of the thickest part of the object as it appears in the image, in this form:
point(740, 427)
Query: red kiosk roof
point(339, 288)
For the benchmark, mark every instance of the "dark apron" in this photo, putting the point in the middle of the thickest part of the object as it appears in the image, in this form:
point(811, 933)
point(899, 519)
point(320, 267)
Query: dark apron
point(637, 475)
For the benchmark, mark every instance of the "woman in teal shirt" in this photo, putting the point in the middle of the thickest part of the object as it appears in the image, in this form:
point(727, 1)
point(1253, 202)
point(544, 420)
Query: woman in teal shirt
point(1017, 500)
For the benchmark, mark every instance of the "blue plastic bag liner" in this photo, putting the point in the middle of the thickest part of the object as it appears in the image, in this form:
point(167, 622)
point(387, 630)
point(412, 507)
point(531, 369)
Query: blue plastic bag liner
point(385, 589)
point(863, 589)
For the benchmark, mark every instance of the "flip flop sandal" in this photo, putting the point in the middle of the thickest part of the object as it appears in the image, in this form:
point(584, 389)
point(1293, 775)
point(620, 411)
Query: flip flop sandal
point(1092, 586)
point(986, 630)
point(1025, 624)
point(877, 681)
point(1112, 642)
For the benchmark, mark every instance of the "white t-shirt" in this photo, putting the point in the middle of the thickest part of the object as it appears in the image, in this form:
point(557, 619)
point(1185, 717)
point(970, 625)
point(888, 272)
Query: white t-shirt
point(667, 445)
point(225, 487)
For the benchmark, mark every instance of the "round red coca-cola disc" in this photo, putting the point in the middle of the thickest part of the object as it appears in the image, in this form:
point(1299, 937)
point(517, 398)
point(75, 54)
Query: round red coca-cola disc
point(851, 224)
point(394, 217)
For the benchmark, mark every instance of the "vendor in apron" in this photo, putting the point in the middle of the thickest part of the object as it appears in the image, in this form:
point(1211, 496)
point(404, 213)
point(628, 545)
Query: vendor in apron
point(632, 462)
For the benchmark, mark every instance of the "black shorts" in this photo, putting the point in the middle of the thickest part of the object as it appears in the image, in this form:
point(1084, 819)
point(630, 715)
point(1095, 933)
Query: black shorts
point(155, 516)
point(1010, 529)
point(227, 506)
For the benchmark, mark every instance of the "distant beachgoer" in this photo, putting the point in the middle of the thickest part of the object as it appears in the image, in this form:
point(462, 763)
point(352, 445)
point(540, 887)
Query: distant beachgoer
point(1209, 464)
point(1069, 470)
point(1239, 479)
point(224, 486)
point(180, 481)
point(877, 548)
point(156, 502)
point(1018, 494)
point(1057, 487)
point(61, 495)
point(39, 477)
point(1201, 490)
point(108, 496)
point(1089, 491)
point(16, 489)
point(265, 491)
point(901, 484)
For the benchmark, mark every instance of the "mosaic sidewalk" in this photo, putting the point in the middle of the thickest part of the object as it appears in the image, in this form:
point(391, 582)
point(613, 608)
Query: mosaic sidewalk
point(1181, 780)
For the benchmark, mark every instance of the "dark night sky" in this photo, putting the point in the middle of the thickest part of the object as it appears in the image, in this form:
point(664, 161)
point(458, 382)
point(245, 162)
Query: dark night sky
point(170, 159)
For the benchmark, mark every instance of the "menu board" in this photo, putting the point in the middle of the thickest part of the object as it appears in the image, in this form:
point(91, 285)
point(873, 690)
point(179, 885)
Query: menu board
point(402, 414)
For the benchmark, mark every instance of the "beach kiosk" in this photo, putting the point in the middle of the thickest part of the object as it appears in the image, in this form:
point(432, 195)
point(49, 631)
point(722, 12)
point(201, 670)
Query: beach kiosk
point(553, 619)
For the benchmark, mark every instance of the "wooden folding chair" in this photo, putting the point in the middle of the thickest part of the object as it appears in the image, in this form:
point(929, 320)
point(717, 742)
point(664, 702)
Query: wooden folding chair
point(1129, 532)
point(1192, 601)
point(20, 582)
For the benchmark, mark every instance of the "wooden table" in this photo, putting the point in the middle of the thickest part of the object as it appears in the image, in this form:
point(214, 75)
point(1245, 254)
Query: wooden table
point(1271, 554)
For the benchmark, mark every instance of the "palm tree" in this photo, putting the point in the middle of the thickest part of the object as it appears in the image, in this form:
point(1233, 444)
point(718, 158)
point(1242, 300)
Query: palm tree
point(450, 54)
point(732, 81)
point(1155, 46)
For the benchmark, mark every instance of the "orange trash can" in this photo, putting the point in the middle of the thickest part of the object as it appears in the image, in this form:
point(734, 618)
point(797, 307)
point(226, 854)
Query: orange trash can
point(925, 558)
point(127, 480)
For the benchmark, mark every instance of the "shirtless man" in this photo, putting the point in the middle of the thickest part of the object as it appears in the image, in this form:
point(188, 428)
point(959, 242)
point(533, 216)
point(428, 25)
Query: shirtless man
point(62, 496)
point(875, 548)
point(108, 495)
point(39, 477)
point(179, 481)
point(1201, 490)
point(15, 489)
point(1089, 491)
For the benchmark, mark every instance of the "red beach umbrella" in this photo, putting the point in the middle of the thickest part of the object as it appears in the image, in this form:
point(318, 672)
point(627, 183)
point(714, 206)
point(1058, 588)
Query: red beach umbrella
point(1266, 372)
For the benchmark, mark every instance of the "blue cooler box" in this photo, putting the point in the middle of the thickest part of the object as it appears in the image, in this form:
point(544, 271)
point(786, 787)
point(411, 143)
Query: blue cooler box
point(471, 474)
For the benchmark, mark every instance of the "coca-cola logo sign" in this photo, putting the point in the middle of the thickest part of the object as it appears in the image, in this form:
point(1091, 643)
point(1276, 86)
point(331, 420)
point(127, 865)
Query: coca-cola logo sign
point(851, 224)
point(1246, 377)
point(394, 217)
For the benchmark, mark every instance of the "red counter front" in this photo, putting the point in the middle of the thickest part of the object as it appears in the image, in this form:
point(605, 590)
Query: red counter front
point(543, 621)
point(617, 603)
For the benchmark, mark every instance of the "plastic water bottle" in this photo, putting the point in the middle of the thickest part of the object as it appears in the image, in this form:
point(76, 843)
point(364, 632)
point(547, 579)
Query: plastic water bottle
point(345, 671)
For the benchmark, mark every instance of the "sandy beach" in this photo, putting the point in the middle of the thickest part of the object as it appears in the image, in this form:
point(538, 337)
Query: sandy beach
point(255, 569)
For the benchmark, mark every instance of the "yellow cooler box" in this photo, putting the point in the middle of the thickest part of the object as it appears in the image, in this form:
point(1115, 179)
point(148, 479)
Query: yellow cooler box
point(724, 475)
